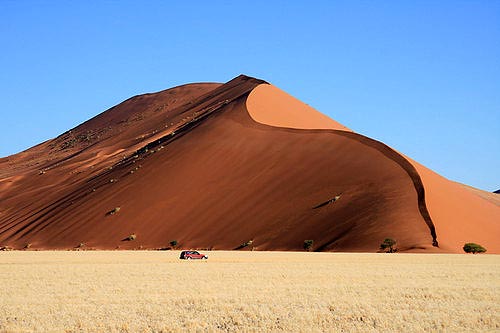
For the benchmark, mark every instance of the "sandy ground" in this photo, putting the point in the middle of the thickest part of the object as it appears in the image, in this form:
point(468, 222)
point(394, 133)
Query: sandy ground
point(146, 291)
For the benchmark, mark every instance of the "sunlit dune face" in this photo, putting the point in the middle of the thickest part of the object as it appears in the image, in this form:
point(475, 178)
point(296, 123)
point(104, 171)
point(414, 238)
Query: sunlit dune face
point(460, 214)
point(270, 105)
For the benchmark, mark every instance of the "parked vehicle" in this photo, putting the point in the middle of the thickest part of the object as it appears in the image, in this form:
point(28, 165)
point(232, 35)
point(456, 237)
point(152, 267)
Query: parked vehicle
point(192, 255)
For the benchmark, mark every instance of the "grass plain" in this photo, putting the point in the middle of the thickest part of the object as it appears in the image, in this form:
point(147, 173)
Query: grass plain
point(154, 291)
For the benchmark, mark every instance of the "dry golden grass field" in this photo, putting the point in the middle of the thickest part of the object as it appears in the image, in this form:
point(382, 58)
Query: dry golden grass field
point(154, 291)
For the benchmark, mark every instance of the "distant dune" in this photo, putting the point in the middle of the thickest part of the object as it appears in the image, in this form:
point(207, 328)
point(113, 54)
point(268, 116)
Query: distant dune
point(225, 165)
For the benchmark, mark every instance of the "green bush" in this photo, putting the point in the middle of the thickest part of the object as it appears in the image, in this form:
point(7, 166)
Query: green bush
point(308, 244)
point(473, 248)
point(388, 245)
point(173, 243)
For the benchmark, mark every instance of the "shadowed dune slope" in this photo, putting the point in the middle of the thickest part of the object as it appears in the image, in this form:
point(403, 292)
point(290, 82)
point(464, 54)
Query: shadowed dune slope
point(190, 164)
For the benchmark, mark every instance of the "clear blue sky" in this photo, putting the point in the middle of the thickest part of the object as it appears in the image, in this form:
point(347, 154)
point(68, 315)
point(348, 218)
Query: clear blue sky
point(420, 76)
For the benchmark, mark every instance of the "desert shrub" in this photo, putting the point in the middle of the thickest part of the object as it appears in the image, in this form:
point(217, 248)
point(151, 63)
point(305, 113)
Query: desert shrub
point(173, 243)
point(388, 245)
point(113, 211)
point(308, 244)
point(473, 248)
point(131, 237)
point(245, 244)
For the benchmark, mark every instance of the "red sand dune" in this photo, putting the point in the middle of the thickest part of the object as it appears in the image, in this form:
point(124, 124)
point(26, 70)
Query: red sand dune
point(216, 165)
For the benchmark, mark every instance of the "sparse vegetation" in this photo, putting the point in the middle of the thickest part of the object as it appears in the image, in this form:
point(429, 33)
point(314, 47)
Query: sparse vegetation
point(131, 237)
point(245, 244)
point(308, 244)
point(173, 243)
point(332, 200)
point(113, 211)
point(473, 248)
point(388, 245)
point(70, 143)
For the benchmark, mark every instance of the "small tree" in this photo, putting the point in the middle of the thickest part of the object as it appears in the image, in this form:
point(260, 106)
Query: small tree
point(173, 243)
point(308, 244)
point(388, 245)
point(473, 248)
